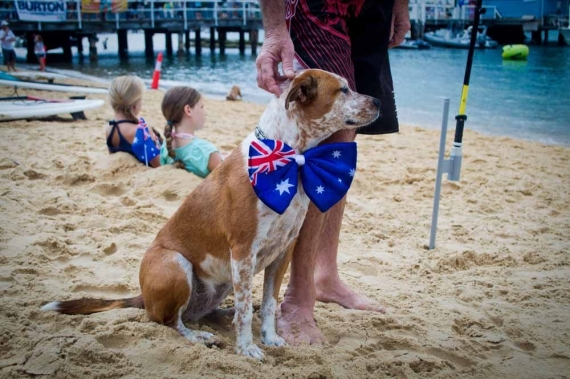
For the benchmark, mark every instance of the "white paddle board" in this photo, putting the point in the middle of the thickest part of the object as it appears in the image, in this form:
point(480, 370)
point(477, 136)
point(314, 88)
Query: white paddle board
point(51, 87)
point(38, 75)
point(22, 109)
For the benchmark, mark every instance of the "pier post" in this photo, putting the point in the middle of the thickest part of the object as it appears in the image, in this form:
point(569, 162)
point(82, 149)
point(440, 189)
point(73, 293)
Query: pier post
point(222, 36)
point(148, 45)
point(561, 40)
point(93, 48)
point(198, 42)
point(123, 43)
point(66, 46)
point(30, 54)
point(212, 39)
point(254, 37)
point(79, 44)
point(180, 43)
point(537, 37)
point(168, 37)
point(242, 41)
point(187, 41)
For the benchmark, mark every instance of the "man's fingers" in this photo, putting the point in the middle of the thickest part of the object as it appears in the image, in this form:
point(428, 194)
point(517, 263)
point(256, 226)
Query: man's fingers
point(268, 75)
point(287, 56)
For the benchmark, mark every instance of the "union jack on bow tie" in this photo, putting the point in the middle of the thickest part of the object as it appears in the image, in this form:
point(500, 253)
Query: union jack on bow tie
point(326, 172)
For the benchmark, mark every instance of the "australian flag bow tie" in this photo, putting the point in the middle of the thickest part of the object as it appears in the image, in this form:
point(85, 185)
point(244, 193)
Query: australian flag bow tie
point(326, 172)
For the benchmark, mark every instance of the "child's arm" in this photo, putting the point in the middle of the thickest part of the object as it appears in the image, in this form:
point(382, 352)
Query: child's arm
point(214, 161)
point(155, 162)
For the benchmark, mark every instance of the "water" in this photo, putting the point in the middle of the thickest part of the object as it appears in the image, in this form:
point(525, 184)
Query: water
point(527, 100)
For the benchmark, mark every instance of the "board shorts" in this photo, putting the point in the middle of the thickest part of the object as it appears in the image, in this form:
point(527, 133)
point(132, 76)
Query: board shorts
point(9, 55)
point(349, 38)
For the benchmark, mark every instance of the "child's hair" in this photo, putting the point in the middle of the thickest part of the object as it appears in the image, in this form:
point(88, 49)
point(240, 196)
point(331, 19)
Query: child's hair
point(173, 103)
point(124, 92)
point(39, 38)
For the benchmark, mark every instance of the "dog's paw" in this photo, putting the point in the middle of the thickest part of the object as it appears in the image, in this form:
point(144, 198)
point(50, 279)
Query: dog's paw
point(205, 338)
point(274, 340)
point(252, 351)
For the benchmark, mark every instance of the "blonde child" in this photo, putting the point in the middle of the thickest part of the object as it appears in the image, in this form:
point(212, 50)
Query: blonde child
point(40, 51)
point(125, 132)
point(183, 108)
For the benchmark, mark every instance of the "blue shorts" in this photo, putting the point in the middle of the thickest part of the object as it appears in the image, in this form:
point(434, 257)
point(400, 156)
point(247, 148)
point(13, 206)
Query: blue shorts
point(349, 38)
point(9, 56)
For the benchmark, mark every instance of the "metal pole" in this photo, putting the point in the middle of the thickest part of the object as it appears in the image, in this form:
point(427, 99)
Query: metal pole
point(441, 163)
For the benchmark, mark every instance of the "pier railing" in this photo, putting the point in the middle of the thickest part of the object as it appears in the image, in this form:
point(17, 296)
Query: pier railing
point(434, 12)
point(153, 11)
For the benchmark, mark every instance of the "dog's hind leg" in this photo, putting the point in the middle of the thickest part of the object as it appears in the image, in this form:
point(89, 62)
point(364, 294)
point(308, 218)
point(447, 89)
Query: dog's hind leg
point(272, 279)
point(166, 284)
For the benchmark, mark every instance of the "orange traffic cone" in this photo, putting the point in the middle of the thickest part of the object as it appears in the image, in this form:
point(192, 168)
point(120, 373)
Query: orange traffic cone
point(156, 73)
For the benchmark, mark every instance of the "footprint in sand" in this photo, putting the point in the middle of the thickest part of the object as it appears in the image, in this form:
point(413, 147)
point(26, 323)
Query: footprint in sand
point(33, 175)
point(109, 190)
point(111, 249)
point(170, 195)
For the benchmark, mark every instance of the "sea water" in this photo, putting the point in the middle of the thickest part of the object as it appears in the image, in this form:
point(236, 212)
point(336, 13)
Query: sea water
point(521, 99)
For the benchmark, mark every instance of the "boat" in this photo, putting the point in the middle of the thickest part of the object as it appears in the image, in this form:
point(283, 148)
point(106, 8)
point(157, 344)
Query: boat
point(515, 52)
point(24, 107)
point(50, 87)
point(417, 44)
point(446, 38)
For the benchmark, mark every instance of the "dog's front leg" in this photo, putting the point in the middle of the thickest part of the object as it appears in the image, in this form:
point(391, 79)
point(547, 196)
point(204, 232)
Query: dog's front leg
point(242, 278)
point(271, 284)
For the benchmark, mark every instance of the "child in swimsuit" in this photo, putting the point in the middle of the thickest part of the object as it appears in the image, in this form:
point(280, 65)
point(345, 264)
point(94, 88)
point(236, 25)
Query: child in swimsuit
point(183, 108)
point(40, 51)
point(126, 132)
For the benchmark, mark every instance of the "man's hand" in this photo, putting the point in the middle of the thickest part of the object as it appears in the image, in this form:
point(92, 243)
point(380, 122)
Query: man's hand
point(400, 23)
point(277, 47)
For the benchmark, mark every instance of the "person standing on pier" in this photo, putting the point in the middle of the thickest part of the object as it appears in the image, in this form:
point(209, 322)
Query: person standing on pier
point(40, 51)
point(7, 41)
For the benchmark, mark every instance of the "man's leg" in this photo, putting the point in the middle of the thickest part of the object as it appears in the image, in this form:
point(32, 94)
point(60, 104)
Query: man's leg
point(372, 77)
point(296, 323)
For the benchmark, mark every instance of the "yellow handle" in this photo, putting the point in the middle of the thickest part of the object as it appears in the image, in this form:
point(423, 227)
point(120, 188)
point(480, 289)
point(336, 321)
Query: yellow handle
point(463, 103)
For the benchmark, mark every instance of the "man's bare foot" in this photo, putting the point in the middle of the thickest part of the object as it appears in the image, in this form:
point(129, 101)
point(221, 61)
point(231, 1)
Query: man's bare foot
point(335, 291)
point(297, 326)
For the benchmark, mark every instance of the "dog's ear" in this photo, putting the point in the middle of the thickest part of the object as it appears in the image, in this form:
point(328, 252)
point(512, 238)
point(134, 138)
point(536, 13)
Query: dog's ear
point(304, 89)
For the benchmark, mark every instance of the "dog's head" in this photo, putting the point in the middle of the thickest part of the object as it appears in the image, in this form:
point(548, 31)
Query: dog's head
point(320, 103)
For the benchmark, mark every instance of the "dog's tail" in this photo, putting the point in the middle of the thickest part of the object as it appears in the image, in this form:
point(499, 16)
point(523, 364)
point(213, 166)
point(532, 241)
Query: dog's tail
point(86, 306)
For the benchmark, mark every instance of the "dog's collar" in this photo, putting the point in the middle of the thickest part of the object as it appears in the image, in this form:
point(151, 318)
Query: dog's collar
point(259, 133)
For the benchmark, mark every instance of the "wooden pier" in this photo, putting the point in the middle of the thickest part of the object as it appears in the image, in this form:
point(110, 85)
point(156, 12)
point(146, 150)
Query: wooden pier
point(187, 21)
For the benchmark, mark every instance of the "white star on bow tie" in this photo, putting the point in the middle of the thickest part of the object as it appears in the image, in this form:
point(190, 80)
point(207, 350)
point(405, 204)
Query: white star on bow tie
point(283, 187)
point(336, 154)
point(351, 172)
point(320, 189)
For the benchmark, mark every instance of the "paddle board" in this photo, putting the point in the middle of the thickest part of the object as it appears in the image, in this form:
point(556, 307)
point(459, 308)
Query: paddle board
point(51, 87)
point(21, 109)
point(38, 75)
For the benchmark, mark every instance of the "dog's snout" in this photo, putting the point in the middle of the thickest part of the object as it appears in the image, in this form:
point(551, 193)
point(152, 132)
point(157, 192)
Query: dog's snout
point(376, 102)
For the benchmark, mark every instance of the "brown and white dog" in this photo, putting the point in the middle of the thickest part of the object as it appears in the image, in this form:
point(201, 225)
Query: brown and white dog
point(222, 234)
point(234, 94)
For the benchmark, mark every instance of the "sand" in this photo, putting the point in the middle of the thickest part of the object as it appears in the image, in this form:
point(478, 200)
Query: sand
point(492, 300)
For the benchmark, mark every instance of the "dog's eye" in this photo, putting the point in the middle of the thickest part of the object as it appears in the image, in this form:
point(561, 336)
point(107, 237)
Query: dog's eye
point(344, 90)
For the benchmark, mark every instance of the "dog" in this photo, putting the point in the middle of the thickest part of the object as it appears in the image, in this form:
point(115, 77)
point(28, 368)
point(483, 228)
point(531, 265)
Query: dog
point(234, 94)
point(223, 234)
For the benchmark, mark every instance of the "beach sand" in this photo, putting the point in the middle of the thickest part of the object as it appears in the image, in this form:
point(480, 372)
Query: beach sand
point(492, 300)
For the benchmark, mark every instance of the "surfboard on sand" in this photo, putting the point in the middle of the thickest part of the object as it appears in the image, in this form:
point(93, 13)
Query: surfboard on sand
point(33, 108)
point(38, 75)
point(51, 87)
